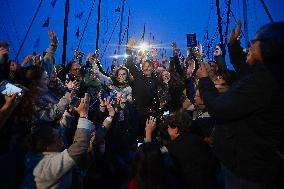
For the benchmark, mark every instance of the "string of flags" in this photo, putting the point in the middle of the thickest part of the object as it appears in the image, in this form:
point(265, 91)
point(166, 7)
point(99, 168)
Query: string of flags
point(78, 32)
point(46, 23)
point(79, 15)
point(53, 2)
point(36, 44)
point(117, 9)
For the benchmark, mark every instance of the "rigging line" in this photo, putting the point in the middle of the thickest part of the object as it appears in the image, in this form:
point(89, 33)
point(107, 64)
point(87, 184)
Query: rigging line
point(220, 25)
point(209, 17)
point(124, 34)
point(13, 21)
point(22, 44)
point(86, 24)
point(246, 38)
point(227, 24)
point(266, 10)
point(8, 36)
point(214, 36)
point(110, 38)
point(227, 27)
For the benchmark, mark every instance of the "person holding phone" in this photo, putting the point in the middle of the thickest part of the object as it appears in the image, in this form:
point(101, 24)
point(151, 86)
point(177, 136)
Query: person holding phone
point(47, 165)
point(39, 103)
point(9, 104)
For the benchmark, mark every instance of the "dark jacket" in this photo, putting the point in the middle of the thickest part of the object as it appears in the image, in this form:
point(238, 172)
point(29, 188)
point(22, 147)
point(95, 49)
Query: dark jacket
point(193, 160)
point(249, 121)
point(144, 88)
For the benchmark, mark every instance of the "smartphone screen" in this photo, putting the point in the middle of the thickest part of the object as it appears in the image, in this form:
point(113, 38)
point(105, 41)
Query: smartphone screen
point(166, 113)
point(7, 88)
point(139, 144)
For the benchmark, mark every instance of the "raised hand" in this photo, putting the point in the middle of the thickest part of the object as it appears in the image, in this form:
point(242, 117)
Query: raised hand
point(164, 59)
point(83, 107)
point(190, 68)
point(131, 42)
point(72, 85)
point(201, 72)
point(109, 106)
point(53, 37)
point(150, 125)
point(235, 34)
point(88, 58)
point(174, 45)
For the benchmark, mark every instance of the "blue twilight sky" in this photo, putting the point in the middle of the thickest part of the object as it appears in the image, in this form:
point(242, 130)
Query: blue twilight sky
point(166, 20)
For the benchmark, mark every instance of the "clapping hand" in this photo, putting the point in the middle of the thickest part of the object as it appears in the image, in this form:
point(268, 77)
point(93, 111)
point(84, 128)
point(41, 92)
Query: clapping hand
point(235, 34)
point(83, 107)
point(72, 85)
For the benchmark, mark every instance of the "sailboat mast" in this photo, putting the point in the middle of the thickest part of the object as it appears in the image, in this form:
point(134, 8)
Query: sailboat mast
point(245, 14)
point(65, 32)
point(98, 25)
point(128, 22)
point(120, 29)
point(220, 25)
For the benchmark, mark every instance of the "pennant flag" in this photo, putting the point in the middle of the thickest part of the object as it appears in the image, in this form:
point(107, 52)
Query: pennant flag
point(77, 32)
point(46, 23)
point(79, 14)
point(53, 2)
point(117, 9)
point(36, 44)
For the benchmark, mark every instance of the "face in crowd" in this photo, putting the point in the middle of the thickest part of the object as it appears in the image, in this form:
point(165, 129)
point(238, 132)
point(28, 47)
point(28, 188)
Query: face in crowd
point(76, 70)
point(166, 76)
point(121, 75)
point(147, 68)
point(13, 66)
point(198, 101)
point(43, 81)
point(254, 53)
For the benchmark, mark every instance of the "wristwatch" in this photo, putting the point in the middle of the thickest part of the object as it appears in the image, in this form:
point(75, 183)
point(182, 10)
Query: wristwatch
point(86, 116)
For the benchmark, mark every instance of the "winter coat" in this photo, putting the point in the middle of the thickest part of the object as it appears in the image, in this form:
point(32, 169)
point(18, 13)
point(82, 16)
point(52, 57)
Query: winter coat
point(249, 120)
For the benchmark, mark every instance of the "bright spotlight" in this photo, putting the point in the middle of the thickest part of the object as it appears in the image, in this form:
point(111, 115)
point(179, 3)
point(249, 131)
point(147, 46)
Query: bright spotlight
point(143, 47)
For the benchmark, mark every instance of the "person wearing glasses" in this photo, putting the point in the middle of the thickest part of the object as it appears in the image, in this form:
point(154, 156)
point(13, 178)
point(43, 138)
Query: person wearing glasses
point(249, 116)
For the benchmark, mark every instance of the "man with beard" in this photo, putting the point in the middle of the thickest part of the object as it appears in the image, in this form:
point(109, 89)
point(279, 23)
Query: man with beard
point(144, 88)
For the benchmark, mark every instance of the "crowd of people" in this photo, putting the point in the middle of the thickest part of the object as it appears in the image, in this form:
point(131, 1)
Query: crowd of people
point(147, 124)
